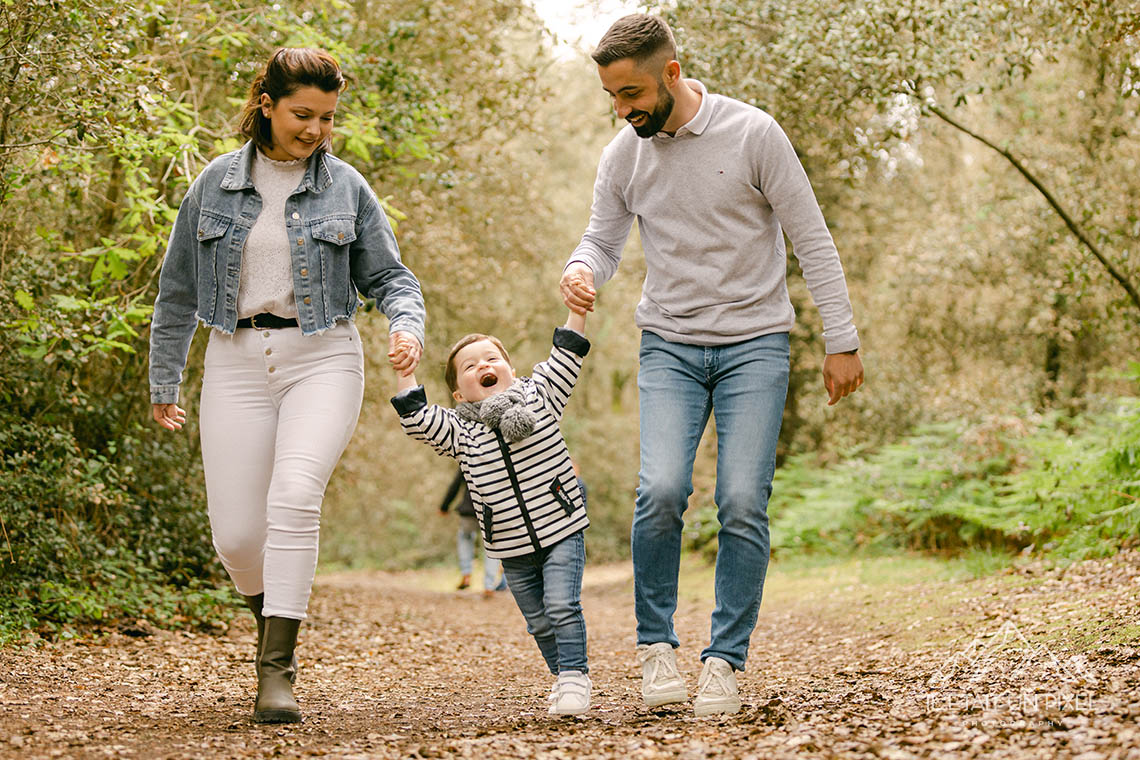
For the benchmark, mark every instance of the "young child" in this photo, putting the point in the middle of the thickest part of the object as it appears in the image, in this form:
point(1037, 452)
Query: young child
point(504, 434)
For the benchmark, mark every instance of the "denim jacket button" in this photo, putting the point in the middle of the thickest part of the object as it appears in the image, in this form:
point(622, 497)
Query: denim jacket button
point(304, 272)
point(296, 215)
point(300, 241)
point(308, 300)
point(340, 236)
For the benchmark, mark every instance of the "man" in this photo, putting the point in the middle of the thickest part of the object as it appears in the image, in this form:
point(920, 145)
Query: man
point(714, 184)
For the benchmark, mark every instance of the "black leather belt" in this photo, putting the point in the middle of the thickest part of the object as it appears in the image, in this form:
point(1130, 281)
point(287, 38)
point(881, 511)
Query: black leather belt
point(266, 320)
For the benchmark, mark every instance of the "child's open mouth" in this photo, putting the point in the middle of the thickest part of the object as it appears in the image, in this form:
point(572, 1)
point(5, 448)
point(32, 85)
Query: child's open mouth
point(488, 380)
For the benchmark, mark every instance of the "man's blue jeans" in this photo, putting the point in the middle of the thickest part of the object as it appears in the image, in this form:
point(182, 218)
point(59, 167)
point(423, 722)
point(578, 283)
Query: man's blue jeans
point(744, 385)
point(547, 586)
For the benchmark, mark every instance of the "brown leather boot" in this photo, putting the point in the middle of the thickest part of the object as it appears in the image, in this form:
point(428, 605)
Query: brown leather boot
point(275, 702)
point(255, 604)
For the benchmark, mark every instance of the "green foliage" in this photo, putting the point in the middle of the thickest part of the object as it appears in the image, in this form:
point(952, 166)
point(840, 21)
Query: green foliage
point(963, 277)
point(92, 537)
point(108, 130)
point(1082, 499)
point(1063, 487)
point(107, 111)
point(847, 70)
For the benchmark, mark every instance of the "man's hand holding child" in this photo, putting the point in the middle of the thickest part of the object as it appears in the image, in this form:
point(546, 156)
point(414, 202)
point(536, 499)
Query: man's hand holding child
point(577, 288)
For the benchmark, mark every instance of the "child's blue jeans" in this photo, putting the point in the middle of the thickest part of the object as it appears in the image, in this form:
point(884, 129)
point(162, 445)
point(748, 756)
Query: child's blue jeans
point(547, 586)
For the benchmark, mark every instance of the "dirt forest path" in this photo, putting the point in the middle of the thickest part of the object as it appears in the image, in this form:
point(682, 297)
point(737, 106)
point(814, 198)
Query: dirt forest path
point(1035, 663)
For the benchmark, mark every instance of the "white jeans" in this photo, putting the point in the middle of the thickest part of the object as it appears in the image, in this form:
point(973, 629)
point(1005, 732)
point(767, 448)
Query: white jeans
point(278, 409)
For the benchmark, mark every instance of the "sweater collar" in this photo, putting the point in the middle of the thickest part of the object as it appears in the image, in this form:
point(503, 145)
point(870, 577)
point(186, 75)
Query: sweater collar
point(239, 174)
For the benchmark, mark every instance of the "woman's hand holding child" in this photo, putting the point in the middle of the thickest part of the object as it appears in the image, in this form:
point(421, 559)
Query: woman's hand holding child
point(404, 352)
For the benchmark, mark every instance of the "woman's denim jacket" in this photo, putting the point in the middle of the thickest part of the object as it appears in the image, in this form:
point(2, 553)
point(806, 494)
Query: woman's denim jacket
point(341, 244)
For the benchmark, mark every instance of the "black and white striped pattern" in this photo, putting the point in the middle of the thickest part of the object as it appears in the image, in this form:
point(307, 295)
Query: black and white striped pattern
point(537, 467)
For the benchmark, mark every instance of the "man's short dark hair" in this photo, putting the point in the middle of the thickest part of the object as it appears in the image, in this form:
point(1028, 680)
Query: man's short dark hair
point(638, 36)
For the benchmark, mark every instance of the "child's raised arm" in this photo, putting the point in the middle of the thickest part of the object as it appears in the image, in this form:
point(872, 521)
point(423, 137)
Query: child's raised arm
point(578, 283)
point(404, 382)
point(576, 322)
point(555, 377)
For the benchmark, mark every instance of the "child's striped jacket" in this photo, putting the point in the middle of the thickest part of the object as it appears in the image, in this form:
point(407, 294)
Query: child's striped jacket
point(525, 493)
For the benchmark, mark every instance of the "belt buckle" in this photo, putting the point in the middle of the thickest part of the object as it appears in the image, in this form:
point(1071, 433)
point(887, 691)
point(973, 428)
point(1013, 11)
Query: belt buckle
point(253, 322)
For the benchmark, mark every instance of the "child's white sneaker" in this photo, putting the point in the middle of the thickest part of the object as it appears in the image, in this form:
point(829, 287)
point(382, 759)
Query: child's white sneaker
point(716, 689)
point(661, 683)
point(571, 693)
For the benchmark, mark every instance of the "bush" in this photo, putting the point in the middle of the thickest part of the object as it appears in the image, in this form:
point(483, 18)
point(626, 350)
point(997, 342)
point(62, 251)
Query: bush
point(102, 513)
point(1062, 487)
point(96, 537)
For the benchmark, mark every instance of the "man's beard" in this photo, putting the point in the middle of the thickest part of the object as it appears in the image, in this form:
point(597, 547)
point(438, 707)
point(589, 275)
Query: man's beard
point(662, 109)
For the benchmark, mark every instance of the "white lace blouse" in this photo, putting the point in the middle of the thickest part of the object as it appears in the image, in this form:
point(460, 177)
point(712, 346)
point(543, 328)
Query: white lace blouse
point(267, 265)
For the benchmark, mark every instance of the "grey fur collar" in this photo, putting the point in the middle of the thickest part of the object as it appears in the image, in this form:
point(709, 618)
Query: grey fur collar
point(506, 412)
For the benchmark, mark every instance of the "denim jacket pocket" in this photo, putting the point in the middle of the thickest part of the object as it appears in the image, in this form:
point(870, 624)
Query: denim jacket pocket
point(212, 230)
point(334, 236)
point(212, 226)
point(335, 232)
point(561, 497)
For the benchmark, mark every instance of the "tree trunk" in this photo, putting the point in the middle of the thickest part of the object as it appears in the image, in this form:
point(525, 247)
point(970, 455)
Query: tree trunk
point(114, 188)
point(1053, 355)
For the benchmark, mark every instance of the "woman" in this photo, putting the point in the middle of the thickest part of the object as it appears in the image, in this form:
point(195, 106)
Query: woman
point(271, 247)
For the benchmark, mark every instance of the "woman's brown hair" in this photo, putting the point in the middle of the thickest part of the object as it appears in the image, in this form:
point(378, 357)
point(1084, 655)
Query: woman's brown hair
point(288, 70)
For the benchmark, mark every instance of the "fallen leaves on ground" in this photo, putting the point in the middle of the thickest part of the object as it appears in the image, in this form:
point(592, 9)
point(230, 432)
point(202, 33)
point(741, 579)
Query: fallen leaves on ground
point(1038, 663)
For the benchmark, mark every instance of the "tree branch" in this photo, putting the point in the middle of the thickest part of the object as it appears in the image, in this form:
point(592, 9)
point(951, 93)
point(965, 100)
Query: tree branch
point(45, 141)
point(1069, 222)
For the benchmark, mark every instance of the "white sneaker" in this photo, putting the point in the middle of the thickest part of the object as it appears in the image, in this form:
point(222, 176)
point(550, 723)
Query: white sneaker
point(716, 689)
point(661, 684)
point(571, 693)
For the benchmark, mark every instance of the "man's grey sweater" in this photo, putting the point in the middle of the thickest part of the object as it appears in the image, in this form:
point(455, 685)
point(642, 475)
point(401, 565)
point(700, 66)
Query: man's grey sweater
point(712, 203)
